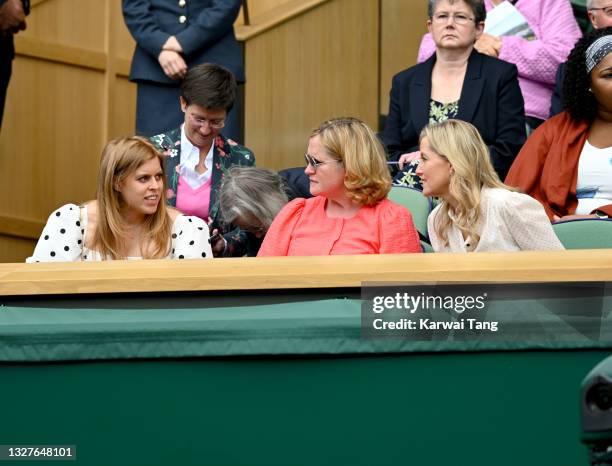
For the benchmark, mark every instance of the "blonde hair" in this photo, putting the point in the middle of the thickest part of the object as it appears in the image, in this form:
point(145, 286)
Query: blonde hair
point(121, 158)
point(351, 141)
point(462, 145)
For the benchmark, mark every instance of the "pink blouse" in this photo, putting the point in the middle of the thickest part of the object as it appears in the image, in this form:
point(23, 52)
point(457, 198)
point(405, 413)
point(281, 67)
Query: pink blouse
point(193, 201)
point(302, 228)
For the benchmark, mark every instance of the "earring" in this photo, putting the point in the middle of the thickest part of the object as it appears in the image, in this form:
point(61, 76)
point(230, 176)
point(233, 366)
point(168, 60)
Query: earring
point(590, 90)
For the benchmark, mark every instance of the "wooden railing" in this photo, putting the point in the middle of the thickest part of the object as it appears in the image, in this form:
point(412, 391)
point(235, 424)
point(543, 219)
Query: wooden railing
point(302, 272)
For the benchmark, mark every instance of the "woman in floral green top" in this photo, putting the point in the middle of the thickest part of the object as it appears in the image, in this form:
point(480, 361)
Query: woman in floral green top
point(198, 156)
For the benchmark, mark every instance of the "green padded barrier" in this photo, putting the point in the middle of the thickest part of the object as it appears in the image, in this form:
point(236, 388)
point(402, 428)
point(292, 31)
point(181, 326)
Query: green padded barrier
point(139, 387)
point(297, 328)
point(476, 409)
point(585, 234)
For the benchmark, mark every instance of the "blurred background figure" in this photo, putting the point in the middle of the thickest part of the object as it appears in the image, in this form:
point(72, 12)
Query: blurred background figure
point(128, 219)
point(198, 155)
point(171, 37)
point(458, 82)
point(249, 199)
point(349, 213)
point(12, 20)
point(566, 164)
point(600, 15)
point(553, 33)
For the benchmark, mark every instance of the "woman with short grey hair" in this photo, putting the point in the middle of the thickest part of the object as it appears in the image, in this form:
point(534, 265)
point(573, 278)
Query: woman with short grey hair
point(249, 199)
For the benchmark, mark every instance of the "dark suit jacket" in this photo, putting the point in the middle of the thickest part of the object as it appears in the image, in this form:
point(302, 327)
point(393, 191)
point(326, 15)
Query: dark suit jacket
point(556, 101)
point(490, 99)
point(207, 34)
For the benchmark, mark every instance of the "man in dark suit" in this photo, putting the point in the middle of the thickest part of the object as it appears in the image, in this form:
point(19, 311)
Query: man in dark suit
point(171, 36)
point(12, 20)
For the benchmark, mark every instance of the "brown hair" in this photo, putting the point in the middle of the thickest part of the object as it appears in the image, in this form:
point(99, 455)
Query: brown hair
point(209, 86)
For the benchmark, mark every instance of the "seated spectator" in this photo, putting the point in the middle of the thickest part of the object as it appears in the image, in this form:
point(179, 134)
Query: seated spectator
point(555, 32)
point(128, 219)
point(478, 212)
point(249, 199)
point(349, 213)
point(566, 164)
point(600, 15)
point(198, 155)
point(456, 82)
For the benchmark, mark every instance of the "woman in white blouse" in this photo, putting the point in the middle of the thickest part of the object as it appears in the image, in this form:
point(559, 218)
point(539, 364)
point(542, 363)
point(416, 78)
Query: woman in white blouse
point(478, 212)
point(128, 219)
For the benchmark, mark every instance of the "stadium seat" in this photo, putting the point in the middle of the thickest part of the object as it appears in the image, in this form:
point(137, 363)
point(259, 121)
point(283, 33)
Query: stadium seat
point(585, 233)
point(419, 206)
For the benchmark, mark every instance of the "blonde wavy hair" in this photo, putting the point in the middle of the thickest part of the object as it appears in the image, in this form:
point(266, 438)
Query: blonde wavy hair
point(121, 158)
point(462, 146)
point(351, 141)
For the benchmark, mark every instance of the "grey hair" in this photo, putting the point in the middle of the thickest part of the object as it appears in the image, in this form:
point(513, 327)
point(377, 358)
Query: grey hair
point(477, 7)
point(250, 191)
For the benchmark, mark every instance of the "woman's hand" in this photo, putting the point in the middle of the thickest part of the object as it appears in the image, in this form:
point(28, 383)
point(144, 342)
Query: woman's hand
point(566, 218)
point(217, 243)
point(489, 45)
point(173, 64)
point(407, 158)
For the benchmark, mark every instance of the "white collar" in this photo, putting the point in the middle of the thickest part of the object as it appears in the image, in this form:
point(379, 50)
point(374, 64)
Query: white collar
point(190, 157)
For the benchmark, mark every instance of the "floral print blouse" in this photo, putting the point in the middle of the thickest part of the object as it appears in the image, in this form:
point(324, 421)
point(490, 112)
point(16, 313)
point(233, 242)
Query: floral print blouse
point(438, 112)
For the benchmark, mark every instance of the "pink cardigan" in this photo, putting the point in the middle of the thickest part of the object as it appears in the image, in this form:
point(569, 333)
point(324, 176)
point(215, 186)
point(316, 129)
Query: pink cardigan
point(556, 33)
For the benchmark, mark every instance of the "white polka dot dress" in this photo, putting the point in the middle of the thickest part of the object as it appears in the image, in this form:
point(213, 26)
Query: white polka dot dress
point(190, 239)
point(63, 237)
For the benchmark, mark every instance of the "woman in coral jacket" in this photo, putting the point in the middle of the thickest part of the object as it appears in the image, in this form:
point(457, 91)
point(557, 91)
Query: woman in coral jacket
point(350, 212)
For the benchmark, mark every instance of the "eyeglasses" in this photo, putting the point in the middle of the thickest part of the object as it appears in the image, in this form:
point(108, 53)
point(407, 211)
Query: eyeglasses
point(606, 9)
point(314, 163)
point(216, 123)
point(442, 18)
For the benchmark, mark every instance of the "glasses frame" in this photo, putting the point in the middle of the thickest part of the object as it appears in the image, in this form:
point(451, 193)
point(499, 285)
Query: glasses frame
point(314, 163)
point(607, 10)
point(204, 121)
point(437, 20)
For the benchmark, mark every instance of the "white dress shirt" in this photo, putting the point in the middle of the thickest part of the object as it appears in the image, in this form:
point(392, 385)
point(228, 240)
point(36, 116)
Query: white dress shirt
point(189, 158)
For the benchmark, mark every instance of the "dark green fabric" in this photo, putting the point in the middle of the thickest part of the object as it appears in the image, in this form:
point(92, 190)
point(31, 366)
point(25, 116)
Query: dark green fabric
point(470, 409)
point(300, 328)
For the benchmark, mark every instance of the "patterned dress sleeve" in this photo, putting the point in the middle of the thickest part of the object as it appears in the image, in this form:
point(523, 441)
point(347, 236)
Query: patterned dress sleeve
point(278, 237)
point(62, 237)
point(527, 222)
point(190, 239)
point(398, 234)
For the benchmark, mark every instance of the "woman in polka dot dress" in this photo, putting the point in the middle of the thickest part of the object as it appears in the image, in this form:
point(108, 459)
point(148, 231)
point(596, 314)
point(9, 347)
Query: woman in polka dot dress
point(128, 219)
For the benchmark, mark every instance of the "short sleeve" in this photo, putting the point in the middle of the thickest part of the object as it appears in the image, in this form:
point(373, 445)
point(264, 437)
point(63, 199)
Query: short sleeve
point(190, 239)
point(278, 237)
point(398, 234)
point(62, 237)
point(528, 224)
